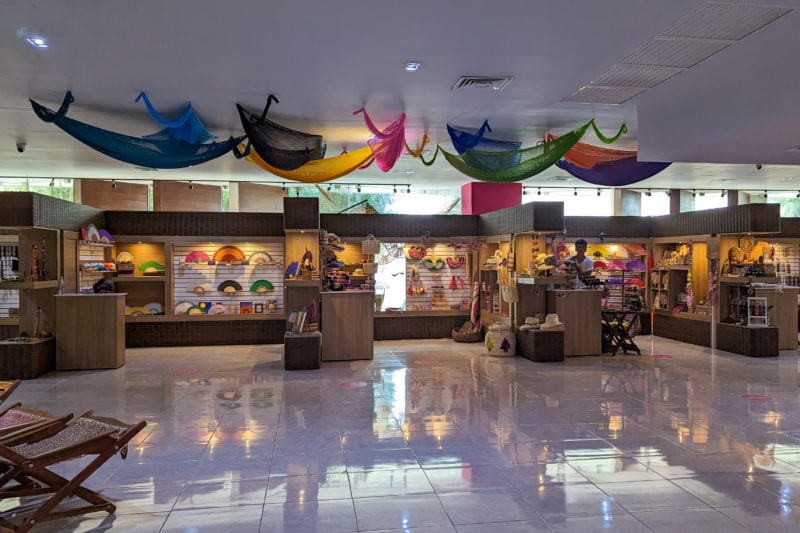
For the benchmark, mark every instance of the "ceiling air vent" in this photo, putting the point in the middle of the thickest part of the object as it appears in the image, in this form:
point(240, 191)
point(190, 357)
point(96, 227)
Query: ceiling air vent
point(497, 83)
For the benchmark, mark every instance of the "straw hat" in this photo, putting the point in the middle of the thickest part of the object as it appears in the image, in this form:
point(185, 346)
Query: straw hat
point(530, 323)
point(359, 272)
point(551, 322)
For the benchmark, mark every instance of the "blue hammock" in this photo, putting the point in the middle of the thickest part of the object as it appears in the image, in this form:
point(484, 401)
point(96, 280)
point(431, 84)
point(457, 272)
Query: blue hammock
point(179, 145)
point(617, 173)
point(464, 141)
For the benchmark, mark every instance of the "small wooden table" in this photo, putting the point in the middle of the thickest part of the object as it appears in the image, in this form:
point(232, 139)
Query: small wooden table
point(619, 329)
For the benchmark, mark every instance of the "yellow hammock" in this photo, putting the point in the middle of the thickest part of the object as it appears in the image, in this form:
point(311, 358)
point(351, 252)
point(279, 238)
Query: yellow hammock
point(317, 170)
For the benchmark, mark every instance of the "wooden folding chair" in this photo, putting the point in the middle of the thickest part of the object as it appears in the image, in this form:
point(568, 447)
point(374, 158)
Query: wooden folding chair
point(7, 387)
point(22, 424)
point(25, 469)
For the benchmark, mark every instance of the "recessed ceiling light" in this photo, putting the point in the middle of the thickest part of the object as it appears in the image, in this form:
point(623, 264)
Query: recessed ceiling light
point(721, 180)
point(413, 66)
point(409, 171)
point(788, 178)
point(37, 42)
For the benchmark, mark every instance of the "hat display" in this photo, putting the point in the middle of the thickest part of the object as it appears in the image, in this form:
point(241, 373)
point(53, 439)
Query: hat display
point(335, 243)
point(551, 322)
point(530, 323)
point(359, 272)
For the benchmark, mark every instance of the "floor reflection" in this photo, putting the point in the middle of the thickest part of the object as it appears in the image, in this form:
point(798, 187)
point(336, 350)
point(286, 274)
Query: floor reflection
point(433, 433)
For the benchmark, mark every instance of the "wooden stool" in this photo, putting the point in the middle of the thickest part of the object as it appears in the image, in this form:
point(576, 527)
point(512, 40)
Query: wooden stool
point(541, 346)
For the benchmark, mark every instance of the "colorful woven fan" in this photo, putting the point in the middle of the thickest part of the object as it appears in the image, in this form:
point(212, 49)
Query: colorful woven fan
point(124, 257)
point(133, 311)
point(261, 258)
point(105, 236)
point(228, 254)
point(262, 285)
point(196, 256)
point(151, 264)
point(229, 286)
point(92, 235)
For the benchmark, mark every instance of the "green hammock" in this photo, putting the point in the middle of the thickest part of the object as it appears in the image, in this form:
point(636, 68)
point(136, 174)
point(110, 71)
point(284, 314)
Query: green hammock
point(488, 166)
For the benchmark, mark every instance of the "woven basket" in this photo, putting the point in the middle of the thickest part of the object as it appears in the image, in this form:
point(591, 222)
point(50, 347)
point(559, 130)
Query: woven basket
point(500, 340)
point(458, 336)
point(369, 268)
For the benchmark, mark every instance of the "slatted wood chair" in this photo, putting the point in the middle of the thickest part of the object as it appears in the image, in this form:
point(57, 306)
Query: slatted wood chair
point(20, 424)
point(7, 387)
point(25, 470)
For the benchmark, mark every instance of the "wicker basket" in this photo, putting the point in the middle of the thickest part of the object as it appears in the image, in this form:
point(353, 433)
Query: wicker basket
point(458, 336)
point(500, 340)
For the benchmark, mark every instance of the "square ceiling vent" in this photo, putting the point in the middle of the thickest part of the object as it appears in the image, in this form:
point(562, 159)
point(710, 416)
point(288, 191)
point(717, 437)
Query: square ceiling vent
point(496, 83)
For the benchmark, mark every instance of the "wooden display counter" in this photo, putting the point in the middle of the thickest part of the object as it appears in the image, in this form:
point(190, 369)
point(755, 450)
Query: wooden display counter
point(90, 331)
point(347, 325)
point(27, 359)
point(579, 310)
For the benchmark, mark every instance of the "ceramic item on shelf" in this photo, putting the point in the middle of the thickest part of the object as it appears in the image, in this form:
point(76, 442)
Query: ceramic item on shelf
point(261, 286)
point(155, 308)
point(181, 307)
point(196, 256)
point(229, 286)
point(228, 254)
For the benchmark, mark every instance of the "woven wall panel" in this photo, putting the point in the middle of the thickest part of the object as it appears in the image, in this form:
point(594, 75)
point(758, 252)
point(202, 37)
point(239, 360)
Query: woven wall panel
point(613, 227)
point(535, 216)
point(301, 213)
point(194, 224)
point(417, 327)
point(31, 209)
point(145, 334)
point(752, 218)
point(682, 329)
point(400, 226)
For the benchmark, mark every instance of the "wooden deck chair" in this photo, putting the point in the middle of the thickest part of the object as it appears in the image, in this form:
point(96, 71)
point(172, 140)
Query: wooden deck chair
point(7, 387)
point(23, 424)
point(25, 470)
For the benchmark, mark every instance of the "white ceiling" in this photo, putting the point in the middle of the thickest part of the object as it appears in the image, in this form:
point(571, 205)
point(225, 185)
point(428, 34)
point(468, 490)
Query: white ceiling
point(323, 60)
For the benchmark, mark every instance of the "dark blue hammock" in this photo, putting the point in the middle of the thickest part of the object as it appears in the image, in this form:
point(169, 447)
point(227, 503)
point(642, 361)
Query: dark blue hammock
point(614, 173)
point(179, 145)
point(464, 142)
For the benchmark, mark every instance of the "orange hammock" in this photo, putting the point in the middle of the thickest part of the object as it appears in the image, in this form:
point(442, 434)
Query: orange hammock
point(317, 170)
point(588, 155)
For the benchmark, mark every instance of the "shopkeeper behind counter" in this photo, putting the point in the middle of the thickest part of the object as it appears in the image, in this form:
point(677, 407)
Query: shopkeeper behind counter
point(579, 263)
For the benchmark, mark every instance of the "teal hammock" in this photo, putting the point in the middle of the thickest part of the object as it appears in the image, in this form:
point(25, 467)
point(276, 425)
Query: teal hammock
point(493, 166)
point(179, 145)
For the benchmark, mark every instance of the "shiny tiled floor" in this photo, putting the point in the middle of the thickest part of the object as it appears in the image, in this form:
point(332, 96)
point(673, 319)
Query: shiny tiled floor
point(432, 436)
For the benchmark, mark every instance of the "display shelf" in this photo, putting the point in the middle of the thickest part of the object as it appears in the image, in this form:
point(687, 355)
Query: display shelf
point(205, 318)
point(448, 312)
point(125, 278)
point(27, 285)
point(9, 321)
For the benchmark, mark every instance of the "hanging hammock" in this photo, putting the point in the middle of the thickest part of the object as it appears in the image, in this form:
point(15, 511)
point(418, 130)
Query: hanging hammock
point(474, 163)
point(614, 173)
point(159, 150)
point(280, 147)
point(387, 145)
point(186, 128)
point(463, 141)
point(318, 170)
point(588, 155)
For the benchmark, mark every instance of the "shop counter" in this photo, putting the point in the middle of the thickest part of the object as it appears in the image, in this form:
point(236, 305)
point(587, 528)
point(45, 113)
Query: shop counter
point(347, 325)
point(579, 310)
point(90, 331)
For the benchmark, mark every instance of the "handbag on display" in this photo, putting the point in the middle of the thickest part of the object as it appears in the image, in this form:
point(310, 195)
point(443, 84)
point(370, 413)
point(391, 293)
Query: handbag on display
point(370, 245)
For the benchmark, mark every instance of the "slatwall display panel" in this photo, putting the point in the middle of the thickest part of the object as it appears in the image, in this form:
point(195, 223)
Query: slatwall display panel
point(455, 282)
point(787, 263)
point(90, 253)
point(9, 303)
point(186, 277)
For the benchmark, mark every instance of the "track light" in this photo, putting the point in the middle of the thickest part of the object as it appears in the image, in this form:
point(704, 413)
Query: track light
point(358, 188)
point(797, 195)
point(394, 189)
point(539, 193)
point(575, 192)
point(191, 187)
point(765, 195)
point(408, 189)
point(722, 194)
point(283, 187)
point(113, 184)
point(524, 191)
point(329, 187)
point(598, 192)
point(648, 193)
point(52, 182)
point(694, 194)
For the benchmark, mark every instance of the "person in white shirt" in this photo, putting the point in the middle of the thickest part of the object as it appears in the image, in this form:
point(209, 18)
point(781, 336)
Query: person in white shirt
point(580, 263)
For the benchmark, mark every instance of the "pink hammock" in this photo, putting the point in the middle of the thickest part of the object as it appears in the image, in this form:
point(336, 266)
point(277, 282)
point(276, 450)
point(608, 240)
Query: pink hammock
point(387, 145)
